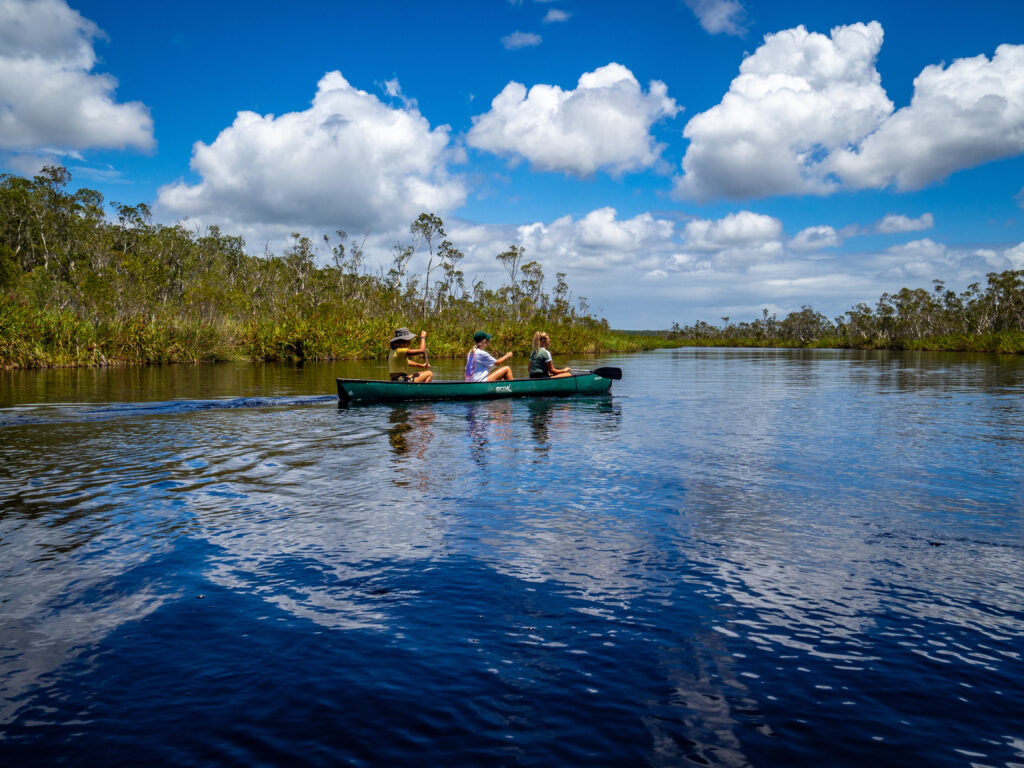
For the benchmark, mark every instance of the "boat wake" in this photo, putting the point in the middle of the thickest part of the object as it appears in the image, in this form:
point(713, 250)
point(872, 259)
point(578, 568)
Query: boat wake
point(64, 413)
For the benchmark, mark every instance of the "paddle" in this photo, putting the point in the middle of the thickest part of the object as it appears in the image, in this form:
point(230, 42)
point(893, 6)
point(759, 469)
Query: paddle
point(607, 373)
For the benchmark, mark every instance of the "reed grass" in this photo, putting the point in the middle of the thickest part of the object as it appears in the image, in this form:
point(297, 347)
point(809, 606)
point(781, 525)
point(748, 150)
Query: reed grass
point(34, 338)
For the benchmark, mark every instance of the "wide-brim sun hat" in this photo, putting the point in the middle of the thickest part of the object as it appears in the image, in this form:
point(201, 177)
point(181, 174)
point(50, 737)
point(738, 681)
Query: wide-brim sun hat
point(402, 334)
point(480, 336)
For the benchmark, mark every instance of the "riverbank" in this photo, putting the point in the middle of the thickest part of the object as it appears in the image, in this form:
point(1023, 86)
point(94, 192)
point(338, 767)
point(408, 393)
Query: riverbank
point(77, 289)
point(1002, 342)
point(31, 338)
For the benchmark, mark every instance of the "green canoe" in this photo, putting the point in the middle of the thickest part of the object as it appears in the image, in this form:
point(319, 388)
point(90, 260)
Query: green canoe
point(370, 391)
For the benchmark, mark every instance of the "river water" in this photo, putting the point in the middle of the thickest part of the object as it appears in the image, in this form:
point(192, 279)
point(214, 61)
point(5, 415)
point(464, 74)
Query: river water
point(741, 557)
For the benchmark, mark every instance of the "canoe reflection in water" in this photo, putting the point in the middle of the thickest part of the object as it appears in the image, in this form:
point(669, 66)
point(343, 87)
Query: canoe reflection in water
point(547, 415)
point(410, 436)
point(488, 419)
point(497, 430)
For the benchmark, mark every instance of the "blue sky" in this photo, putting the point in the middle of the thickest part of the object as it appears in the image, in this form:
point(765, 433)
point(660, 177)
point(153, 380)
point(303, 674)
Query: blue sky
point(678, 159)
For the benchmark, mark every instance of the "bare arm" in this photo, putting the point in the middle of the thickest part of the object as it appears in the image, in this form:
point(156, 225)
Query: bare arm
point(555, 371)
point(423, 345)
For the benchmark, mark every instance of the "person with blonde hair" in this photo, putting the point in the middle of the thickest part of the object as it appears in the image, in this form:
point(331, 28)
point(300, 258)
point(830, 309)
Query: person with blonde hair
point(541, 365)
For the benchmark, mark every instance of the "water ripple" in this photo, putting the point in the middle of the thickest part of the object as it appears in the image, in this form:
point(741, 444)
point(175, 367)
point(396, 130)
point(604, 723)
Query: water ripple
point(64, 413)
point(744, 557)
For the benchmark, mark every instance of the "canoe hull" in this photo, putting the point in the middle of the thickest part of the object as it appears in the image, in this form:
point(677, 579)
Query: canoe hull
point(353, 391)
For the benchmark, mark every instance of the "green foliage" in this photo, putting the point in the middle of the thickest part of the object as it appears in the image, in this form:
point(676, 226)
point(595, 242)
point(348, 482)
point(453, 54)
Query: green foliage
point(989, 319)
point(9, 269)
point(79, 289)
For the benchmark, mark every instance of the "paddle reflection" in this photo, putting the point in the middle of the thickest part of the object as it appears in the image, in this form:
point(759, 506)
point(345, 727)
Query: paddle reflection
point(410, 435)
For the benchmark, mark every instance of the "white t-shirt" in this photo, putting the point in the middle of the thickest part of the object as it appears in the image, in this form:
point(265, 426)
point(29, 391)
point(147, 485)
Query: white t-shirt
point(478, 363)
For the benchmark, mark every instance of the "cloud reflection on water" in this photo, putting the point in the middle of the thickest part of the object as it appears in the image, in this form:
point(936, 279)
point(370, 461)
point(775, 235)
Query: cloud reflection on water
point(718, 524)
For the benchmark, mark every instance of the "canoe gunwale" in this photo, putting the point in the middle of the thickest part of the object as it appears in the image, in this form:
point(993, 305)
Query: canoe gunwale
point(352, 391)
point(462, 382)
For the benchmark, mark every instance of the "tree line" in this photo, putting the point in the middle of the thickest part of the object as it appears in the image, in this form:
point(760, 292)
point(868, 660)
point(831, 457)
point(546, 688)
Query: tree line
point(80, 287)
point(987, 317)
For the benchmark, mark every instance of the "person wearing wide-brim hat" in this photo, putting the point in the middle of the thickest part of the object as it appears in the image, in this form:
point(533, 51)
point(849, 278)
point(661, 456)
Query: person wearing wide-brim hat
point(398, 359)
point(481, 365)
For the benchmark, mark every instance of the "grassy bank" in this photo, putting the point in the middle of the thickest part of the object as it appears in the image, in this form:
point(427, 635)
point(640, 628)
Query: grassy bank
point(33, 338)
point(982, 318)
point(80, 289)
point(1001, 342)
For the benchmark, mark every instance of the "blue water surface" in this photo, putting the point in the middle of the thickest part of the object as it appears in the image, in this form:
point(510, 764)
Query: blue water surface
point(741, 557)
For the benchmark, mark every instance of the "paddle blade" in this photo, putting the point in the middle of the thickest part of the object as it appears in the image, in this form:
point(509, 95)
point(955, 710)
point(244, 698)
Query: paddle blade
point(608, 373)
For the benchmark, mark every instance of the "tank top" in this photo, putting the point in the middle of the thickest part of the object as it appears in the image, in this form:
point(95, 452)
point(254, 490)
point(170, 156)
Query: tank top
point(539, 362)
point(398, 360)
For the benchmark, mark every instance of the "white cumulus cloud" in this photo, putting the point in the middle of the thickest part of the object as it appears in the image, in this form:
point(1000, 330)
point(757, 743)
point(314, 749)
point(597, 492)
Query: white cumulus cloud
point(894, 222)
point(1015, 256)
point(736, 230)
point(815, 238)
point(647, 271)
point(798, 98)
point(349, 160)
point(719, 16)
point(50, 99)
point(604, 122)
point(518, 40)
point(598, 240)
point(808, 115)
point(959, 117)
point(554, 15)
point(602, 229)
point(919, 250)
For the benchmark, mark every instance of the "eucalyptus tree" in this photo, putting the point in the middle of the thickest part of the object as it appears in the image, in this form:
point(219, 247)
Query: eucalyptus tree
point(806, 325)
point(532, 283)
point(428, 228)
point(400, 257)
point(1005, 294)
point(561, 298)
point(454, 279)
point(511, 260)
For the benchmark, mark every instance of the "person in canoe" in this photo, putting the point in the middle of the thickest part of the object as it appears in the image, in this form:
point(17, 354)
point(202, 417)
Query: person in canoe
point(398, 359)
point(541, 366)
point(481, 365)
